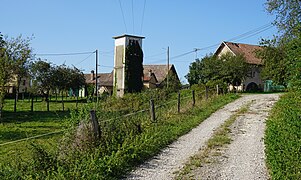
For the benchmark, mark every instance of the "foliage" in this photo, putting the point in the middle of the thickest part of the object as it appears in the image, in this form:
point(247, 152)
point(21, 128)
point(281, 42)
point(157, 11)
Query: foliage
point(5, 72)
point(287, 15)
point(133, 67)
point(283, 137)
point(213, 70)
point(19, 52)
point(42, 76)
point(275, 62)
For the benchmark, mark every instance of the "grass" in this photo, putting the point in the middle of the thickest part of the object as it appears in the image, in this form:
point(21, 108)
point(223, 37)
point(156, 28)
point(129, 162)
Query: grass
point(220, 138)
point(125, 142)
point(24, 124)
point(283, 138)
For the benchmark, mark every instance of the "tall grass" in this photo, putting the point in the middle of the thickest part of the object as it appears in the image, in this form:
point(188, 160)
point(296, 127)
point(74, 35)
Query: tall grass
point(283, 138)
point(125, 141)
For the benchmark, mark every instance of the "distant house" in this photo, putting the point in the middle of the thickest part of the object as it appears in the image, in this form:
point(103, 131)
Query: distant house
point(154, 76)
point(253, 80)
point(23, 87)
point(159, 72)
point(104, 83)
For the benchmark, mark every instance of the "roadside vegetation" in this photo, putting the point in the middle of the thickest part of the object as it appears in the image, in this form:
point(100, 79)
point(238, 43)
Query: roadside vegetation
point(283, 138)
point(125, 141)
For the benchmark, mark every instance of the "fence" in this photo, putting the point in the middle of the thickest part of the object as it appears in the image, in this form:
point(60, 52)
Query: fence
point(136, 121)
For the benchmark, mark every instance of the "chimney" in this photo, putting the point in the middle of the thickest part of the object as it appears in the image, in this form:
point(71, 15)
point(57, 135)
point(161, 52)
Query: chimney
point(92, 75)
point(150, 73)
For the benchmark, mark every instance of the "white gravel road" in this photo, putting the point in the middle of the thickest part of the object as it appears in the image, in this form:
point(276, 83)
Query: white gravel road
point(173, 157)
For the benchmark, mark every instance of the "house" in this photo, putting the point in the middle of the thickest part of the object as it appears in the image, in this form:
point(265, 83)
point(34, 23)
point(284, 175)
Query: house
point(159, 72)
point(23, 87)
point(154, 76)
point(253, 81)
point(104, 83)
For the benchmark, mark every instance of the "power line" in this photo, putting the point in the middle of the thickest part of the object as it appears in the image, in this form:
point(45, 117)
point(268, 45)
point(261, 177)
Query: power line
point(84, 59)
point(142, 16)
point(64, 54)
point(123, 16)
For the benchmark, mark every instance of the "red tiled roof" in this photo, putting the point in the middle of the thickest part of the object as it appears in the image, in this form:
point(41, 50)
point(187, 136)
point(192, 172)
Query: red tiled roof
point(247, 50)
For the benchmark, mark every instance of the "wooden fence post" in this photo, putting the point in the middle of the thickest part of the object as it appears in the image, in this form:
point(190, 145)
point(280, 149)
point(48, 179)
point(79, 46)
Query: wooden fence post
point(179, 102)
point(217, 90)
point(31, 107)
point(152, 110)
point(95, 126)
point(193, 98)
point(206, 92)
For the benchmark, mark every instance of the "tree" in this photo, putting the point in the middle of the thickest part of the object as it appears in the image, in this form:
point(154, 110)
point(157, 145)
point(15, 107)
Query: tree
point(234, 69)
point(42, 74)
point(195, 72)
point(19, 52)
point(275, 63)
point(5, 72)
point(213, 70)
point(288, 15)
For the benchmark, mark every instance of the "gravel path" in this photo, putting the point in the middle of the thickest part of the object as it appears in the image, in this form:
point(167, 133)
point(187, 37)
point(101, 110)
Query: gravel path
point(244, 158)
point(173, 157)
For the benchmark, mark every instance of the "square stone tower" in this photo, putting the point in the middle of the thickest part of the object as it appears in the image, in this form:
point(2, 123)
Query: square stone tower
point(121, 43)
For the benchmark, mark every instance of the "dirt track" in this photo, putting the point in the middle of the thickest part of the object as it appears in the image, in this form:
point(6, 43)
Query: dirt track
point(244, 157)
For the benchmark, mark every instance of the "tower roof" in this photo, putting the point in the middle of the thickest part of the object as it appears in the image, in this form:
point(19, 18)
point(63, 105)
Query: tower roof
point(127, 35)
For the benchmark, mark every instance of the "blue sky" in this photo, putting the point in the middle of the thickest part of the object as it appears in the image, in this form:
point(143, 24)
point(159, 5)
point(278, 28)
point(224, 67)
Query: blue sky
point(67, 26)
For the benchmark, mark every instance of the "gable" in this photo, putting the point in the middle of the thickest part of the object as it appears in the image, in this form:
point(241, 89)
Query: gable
point(247, 50)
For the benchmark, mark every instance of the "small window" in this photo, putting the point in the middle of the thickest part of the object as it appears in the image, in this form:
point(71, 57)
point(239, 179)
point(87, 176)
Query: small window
point(24, 82)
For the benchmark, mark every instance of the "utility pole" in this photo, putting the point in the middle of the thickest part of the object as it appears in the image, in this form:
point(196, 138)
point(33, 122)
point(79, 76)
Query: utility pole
point(196, 52)
point(167, 66)
point(96, 59)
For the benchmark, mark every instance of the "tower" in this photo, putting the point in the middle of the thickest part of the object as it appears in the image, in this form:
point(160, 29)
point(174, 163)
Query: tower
point(127, 49)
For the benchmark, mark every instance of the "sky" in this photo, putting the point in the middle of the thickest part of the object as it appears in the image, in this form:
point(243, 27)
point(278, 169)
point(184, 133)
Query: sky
point(74, 26)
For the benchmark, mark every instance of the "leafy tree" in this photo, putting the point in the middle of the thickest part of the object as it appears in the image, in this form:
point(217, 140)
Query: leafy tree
point(288, 15)
point(275, 63)
point(18, 50)
point(213, 70)
point(234, 69)
point(195, 73)
point(5, 72)
point(42, 74)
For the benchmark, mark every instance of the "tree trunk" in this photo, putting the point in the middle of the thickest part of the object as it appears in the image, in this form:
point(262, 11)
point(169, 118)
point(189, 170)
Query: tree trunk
point(63, 101)
point(16, 98)
point(47, 100)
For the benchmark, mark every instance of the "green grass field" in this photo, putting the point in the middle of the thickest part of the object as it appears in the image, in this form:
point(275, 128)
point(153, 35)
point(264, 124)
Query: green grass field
point(25, 124)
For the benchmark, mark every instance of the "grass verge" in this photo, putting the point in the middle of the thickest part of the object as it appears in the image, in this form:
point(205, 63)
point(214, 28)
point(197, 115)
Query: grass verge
point(283, 138)
point(220, 138)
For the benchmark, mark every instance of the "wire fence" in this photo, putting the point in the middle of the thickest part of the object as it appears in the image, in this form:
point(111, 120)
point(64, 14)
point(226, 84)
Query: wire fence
point(133, 121)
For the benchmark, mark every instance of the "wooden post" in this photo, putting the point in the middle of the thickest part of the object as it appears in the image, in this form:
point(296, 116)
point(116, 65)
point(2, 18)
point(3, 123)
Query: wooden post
point(76, 102)
point(193, 98)
point(31, 107)
point(15, 104)
point(63, 101)
point(152, 110)
point(217, 90)
point(179, 102)
point(206, 92)
point(95, 126)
